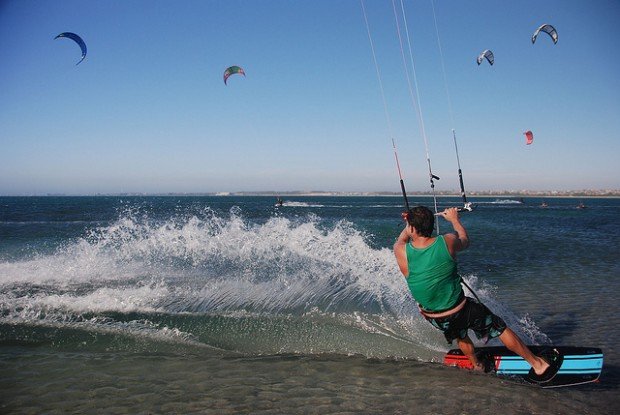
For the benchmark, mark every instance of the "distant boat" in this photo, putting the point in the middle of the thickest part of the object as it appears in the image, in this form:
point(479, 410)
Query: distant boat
point(581, 206)
point(544, 204)
point(279, 202)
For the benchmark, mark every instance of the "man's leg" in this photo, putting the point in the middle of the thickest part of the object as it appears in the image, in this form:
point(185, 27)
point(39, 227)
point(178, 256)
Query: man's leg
point(468, 349)
point(514, 344)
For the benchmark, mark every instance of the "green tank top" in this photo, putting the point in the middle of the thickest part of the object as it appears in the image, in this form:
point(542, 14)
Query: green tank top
point(433, 278)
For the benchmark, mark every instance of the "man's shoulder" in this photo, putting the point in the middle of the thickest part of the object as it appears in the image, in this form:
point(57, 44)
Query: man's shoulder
point(452, 243)
point(400, 247)
point(449, 237)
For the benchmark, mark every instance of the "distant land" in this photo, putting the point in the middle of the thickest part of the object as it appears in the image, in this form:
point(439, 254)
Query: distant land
point(476, 193)
point(482, 193)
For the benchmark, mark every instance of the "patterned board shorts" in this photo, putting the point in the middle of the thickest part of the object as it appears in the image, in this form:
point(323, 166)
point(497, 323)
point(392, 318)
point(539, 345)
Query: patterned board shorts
point(473, 316)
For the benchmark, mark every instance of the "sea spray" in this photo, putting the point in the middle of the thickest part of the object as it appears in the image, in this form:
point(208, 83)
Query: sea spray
point(282, 285)
point(522, 325)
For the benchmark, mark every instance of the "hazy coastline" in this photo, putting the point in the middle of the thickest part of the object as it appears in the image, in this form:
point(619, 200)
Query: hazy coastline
point(606, 193)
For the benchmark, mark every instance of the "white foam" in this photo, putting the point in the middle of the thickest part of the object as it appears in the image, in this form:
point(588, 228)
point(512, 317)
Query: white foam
point(301, 204)
point(501, 202)
point(522, 325)
point(209, 264)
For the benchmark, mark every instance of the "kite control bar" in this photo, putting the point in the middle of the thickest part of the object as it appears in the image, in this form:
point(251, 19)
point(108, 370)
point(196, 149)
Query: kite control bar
point(467, 207)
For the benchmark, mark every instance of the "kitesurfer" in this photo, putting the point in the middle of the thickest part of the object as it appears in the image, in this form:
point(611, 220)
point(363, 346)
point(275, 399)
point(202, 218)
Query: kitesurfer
point(429, 265)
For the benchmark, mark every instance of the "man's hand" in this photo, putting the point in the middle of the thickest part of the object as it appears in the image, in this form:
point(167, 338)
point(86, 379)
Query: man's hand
point(459, 240)
point(450, 214)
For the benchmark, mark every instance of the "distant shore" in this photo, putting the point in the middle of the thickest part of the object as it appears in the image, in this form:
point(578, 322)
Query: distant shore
point(503, 193)
point(318, 193)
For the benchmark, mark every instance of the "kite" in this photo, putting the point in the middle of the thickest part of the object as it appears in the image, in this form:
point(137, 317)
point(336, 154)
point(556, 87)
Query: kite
point(548, 29)
point(77, 40)
point(231, 71)
point(486, 54)
point(529, 137)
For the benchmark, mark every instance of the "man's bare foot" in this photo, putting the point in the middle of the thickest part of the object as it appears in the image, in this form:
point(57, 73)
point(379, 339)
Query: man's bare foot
point(478, 367)
point(546, 370)
point(541, 366)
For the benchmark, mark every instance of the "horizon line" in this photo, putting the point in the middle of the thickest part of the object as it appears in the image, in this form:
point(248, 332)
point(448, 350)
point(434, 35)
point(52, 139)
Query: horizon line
point(445, 193)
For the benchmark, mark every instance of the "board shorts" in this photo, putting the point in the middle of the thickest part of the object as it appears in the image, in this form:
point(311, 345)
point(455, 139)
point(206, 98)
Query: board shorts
point(473, 316)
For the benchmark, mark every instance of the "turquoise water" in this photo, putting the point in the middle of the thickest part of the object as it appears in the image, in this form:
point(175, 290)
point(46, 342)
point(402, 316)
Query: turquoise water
point(234, 305)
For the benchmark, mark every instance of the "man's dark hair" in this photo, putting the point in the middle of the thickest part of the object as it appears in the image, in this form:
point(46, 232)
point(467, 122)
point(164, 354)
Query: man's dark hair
point(422, 219)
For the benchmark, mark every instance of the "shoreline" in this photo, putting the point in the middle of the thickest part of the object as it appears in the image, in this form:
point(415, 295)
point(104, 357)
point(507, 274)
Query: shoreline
point(607, 194)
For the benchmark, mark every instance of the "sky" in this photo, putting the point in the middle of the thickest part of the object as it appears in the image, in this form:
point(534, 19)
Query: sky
point(147, 111)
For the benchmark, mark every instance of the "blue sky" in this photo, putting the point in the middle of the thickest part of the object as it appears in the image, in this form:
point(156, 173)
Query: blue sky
point(147, 110)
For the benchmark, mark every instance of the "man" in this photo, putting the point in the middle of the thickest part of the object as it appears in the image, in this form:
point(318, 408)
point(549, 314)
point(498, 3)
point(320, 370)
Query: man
point(429, 265)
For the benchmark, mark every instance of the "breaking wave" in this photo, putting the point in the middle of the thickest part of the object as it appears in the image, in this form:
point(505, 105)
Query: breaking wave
point(204, 279)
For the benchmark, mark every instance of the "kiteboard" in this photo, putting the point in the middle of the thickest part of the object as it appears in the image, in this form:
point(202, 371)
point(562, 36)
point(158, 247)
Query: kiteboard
point(579, 365)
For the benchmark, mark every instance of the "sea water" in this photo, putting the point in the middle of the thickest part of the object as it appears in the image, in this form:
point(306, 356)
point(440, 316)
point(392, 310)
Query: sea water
point(234, 305)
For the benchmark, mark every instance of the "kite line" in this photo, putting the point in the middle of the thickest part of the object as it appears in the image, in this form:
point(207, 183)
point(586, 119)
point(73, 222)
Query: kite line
point(467, 206)
point(415, 97)
point(413, 90)
point(385, 107)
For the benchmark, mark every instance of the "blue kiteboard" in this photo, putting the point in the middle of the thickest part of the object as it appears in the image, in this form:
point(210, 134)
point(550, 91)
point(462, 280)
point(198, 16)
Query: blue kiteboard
point(579, 365)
